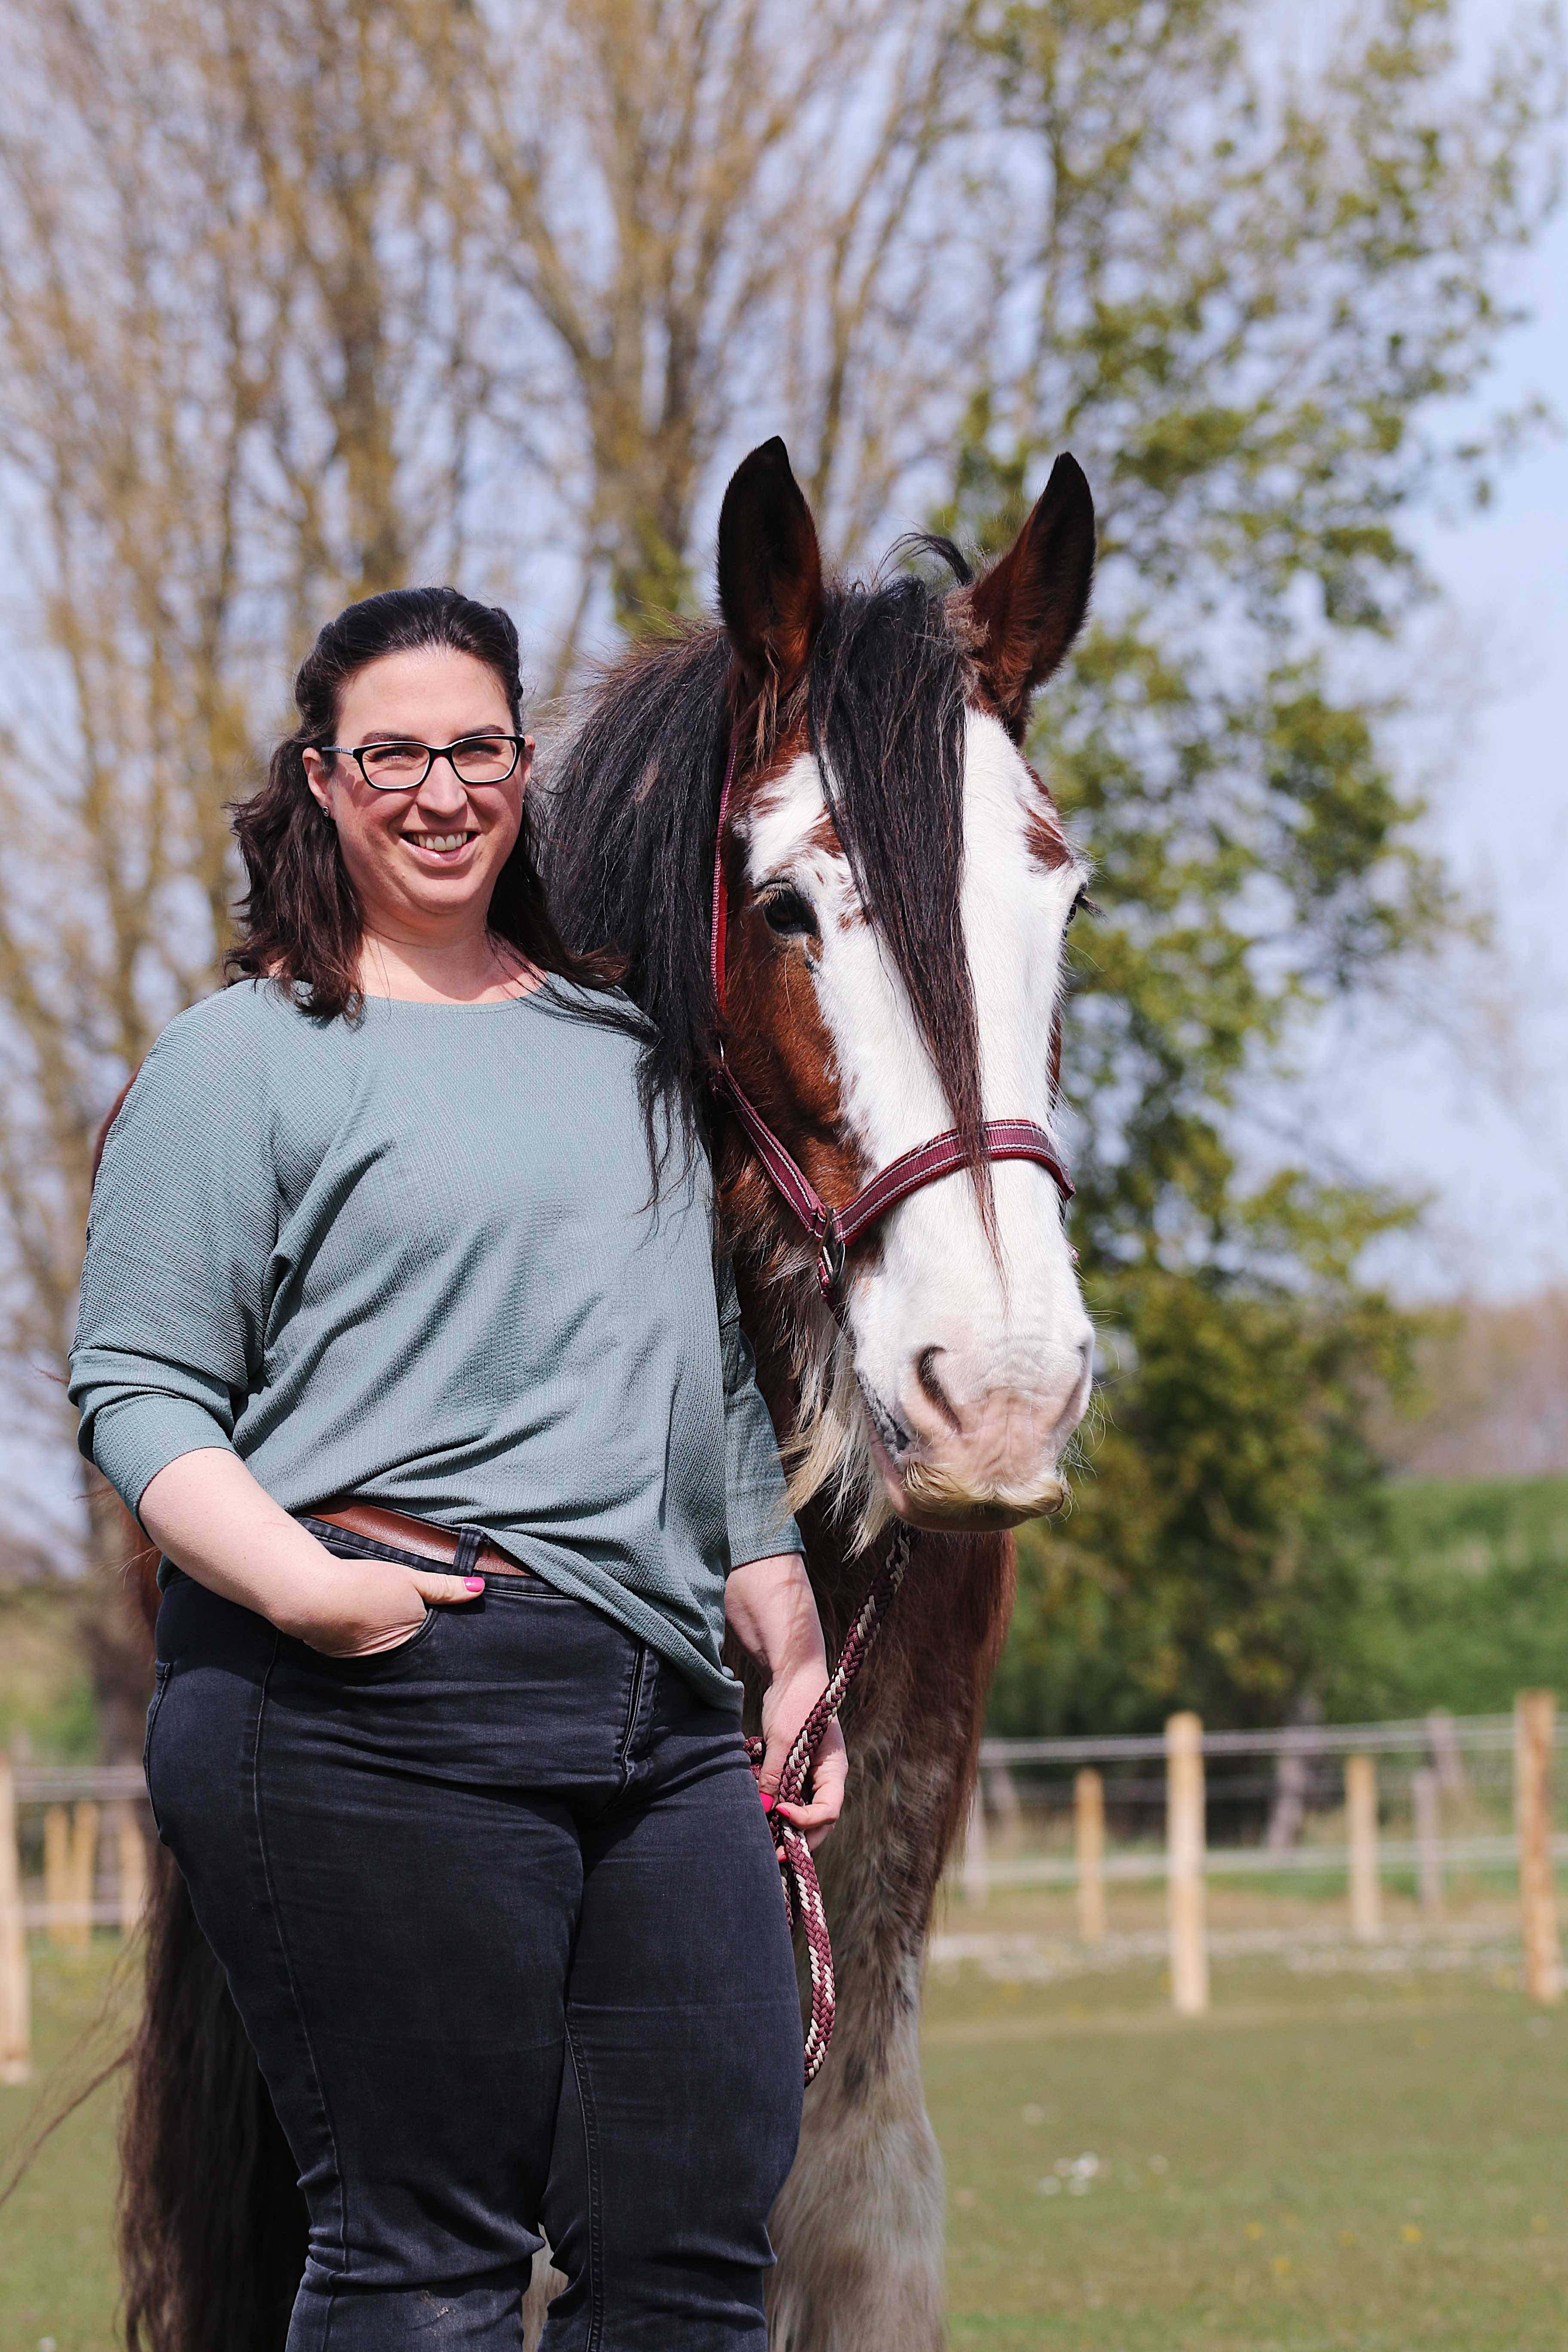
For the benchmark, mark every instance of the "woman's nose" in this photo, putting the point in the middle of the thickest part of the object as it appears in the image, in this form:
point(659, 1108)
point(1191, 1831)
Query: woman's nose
point(442, 793)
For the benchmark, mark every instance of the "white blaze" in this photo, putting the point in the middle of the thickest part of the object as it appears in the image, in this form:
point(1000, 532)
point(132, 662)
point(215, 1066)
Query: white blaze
point(977, 1367)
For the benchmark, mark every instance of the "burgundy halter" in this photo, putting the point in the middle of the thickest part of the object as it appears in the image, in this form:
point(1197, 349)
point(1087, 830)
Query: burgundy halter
point(835, 1230)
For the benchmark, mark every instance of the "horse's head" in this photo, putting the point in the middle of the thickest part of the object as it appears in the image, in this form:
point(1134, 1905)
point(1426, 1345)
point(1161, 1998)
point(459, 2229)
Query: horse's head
point(898, 888)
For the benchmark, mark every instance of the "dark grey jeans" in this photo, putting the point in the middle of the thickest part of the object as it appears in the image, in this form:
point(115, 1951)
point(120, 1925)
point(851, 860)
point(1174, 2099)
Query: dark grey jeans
point(501, 1914)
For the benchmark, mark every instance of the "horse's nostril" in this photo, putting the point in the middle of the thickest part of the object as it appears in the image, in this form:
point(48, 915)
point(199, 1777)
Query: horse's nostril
point(925, 1372)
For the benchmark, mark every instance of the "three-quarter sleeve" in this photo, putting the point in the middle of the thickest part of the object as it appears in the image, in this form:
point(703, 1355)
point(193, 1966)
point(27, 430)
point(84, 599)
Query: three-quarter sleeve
point(182, 1226)
point(755, 1492)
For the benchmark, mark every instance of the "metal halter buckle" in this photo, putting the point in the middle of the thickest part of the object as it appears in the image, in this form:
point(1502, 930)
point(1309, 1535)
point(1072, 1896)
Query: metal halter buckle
point(830, 1259)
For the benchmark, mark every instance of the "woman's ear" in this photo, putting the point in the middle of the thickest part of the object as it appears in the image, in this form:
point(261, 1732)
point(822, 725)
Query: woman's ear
point(316, 774)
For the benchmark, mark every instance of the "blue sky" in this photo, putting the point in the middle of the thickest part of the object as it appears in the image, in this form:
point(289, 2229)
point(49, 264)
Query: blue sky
point(1457, 1088)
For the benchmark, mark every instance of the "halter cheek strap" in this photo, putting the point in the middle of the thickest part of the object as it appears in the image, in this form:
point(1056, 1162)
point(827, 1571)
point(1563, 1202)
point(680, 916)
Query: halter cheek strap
point(836, 1229)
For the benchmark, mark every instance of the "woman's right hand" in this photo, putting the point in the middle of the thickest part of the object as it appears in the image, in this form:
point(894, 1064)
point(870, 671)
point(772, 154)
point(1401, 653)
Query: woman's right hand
point(208, 1513)
point(359, 1607)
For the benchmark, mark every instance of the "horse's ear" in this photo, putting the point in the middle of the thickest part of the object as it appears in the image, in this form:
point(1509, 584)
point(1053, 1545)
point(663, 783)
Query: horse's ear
point(1030, 606)
point(770, 569)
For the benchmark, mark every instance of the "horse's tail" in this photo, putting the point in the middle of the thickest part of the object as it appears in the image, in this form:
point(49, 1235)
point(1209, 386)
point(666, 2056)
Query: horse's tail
point(212, 2223)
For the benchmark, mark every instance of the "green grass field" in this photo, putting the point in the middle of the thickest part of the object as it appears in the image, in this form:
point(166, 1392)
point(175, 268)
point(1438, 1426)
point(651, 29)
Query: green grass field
point(1306, 2169)
point(57, 2269)
point(1374, 2158)
point(1370, 2156)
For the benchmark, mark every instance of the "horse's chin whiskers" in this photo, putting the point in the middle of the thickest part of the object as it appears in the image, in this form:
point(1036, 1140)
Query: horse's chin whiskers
point(941, 1499)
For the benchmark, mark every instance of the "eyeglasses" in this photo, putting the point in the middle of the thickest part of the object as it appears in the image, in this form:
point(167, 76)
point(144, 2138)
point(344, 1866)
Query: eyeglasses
point(403, 767)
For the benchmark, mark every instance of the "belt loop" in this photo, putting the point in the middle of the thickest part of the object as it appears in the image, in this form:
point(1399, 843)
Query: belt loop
point(470, 1542)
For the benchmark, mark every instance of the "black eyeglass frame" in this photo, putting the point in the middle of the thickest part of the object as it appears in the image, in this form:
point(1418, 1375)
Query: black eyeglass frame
point(433, 752)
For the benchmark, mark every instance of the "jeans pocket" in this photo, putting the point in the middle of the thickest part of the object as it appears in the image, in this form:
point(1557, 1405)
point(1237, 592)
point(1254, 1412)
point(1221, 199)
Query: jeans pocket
point(160, 1685)
point(374, 1665)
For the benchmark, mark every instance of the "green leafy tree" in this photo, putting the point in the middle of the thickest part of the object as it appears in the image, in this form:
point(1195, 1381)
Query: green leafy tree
point(298, 297)
point(1252, 290)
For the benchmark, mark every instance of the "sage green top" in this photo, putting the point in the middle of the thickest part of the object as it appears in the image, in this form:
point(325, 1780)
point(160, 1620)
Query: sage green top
point(416, 1258)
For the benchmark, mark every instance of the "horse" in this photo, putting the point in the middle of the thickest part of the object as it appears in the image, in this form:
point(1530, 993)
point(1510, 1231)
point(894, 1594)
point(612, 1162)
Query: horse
point(841, 892)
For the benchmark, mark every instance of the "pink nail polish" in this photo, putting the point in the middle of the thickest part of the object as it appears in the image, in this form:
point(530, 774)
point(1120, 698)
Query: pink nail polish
point(475, 1583)
point(768, 1802)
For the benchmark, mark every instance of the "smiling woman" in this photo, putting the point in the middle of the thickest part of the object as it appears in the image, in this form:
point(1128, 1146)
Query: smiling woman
point(413, 1359)
point(425, 833)
point(390, 846)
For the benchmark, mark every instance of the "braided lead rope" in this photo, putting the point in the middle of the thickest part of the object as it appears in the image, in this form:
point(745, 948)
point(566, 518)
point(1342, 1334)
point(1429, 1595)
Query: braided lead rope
point(803, 1895)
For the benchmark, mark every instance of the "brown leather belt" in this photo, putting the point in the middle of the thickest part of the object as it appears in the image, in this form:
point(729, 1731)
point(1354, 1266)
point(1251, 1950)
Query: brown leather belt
point(465, 1554)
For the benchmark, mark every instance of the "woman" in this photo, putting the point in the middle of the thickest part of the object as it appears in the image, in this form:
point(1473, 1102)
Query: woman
point(404, 1344)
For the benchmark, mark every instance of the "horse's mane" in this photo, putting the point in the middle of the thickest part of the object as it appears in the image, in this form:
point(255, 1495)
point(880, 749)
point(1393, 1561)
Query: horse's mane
point(631, 803)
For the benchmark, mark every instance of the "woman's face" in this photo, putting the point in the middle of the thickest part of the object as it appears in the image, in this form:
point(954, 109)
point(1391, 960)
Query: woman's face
point(423, 861)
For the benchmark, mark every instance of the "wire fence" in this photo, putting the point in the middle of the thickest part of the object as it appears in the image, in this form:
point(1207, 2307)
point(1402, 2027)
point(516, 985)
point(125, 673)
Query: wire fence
point(1353, 1806)
point(1420, 1806)
point(1439, 1733)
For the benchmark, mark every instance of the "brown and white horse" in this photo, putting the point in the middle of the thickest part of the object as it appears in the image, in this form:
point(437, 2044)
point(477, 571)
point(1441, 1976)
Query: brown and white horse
point(897, 888)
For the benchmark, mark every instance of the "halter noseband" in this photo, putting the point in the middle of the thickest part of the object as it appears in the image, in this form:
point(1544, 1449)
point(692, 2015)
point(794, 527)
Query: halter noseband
point(835, 1230)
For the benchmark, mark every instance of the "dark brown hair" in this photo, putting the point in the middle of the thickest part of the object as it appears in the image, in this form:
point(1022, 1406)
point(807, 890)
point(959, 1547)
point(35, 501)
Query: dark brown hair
point(300, 921)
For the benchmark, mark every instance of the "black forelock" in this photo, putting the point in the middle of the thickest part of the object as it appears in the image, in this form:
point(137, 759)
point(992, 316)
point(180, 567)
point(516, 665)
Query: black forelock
point(631, 805)
point(887, 692)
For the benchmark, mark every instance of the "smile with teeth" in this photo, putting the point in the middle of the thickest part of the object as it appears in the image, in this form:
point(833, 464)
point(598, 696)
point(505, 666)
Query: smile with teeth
point(440, 845)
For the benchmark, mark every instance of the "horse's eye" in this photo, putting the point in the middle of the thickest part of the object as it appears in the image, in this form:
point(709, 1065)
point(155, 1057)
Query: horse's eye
point(787, 913)
point(1083, 905)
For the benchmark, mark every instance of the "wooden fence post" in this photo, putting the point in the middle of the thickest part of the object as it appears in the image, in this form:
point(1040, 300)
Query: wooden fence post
point(976, 1876)
point(1534, 1713)
point(1426, 1791)
point(1088, 1836)
point(15, 2006)
point(83, 1869)
point(1184, 1847)
point(1003, 1791)
point(1361, 1823)
point(131, 1848)
point(57, 1873)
